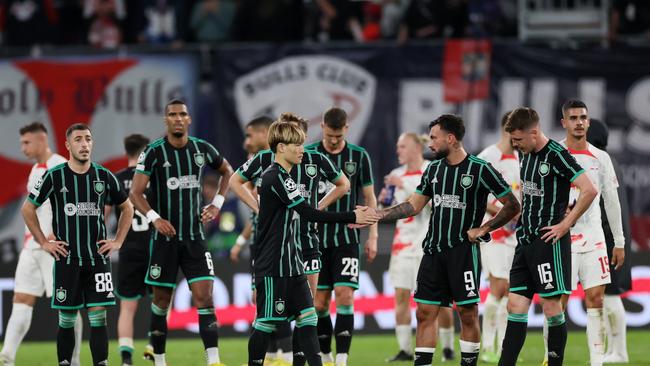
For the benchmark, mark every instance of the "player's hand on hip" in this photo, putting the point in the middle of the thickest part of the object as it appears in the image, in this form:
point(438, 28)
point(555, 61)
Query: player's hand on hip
point(57, 248)
point(234, 253)
point(209, 213)
point(370, 249)
point(475, 233)
point(164, 227)
point(554, 232)
point(618, 257)
point(108, 246)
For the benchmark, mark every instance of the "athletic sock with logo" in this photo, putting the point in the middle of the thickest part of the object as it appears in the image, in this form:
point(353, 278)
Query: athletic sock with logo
point(98, 337)
point(158, 329)
point(65, 336)
point(516, 336)
point(209, 330)
point(344, 328)
point(423, 356)
point(469, 353)
point(258, 343)
point(557, 336)
point(324, 329)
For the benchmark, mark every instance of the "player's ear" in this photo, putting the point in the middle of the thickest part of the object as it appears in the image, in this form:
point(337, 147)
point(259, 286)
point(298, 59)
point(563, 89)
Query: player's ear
point(67, 144)
point(563, 121)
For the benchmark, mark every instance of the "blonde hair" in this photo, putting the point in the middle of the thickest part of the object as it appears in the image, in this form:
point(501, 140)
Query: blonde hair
point(294, 118)
point(421, 140)
point(282, 132)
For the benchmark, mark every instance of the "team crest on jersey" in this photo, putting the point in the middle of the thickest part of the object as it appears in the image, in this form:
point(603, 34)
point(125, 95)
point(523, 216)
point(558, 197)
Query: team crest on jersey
point(199, 159)
point(99, 186)
point(466, 180)
point(311, 170)
point(290, 185)
point(279, 306)
point(544, 168)
point(70, 209)
point(154, 271)
point(61, 294)
point(350, 167)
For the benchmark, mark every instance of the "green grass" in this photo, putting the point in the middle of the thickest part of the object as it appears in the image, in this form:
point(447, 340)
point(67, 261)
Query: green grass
point(366, 350)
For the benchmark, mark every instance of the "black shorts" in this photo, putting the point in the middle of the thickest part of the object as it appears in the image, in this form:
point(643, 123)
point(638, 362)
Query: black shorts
point(134, 261)
point(340, 266)
point(282, 298)
point(311, 260)
point(450, 276)
point(542, 268)
point(78, 286)
point(191, 256)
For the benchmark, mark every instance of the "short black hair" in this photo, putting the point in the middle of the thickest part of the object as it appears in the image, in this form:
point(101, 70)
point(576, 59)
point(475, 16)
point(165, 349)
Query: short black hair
point(76, 127)
point(174, 102)
point(33, 127)
point(451, 123)
point(521, 118)
point(573, 103)
point(134, 144)
point(260, 122)
point(335, 118)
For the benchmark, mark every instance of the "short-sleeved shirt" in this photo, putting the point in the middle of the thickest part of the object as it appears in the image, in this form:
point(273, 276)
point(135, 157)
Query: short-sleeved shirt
point(276, 252)
point(314, 170)
point(459, 194)
point(354, 162)
point(175, 179)
point(546, 178)
point(78, 207)
point(139, 231)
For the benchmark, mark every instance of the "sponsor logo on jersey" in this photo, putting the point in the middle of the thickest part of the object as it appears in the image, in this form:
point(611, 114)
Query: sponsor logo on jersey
point(311, 170)
point(279, 306)
point(304, 192)
point(61, 294)
point(183, 182)
point(531, 189)
point(154, 271)
point(99, 186)
point(544, 168)
point(82, 209)
point(199, 159)
point(449, 201)
point(350, 167)
point(70, 209)
point(466, 180)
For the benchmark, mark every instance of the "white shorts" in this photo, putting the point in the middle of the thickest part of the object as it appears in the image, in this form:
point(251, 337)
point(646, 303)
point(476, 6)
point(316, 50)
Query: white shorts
point(403, 271)
point(34, 272)
point(591, 269)
point(496, 259)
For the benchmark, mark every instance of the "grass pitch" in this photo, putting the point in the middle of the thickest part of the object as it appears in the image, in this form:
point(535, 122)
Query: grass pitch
point(366, 350)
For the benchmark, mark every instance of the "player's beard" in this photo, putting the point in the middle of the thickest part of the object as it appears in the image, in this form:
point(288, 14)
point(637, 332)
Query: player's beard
point(441, 154)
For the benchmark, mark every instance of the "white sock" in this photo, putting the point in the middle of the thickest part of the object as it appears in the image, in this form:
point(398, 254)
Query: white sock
point(341, 359)
point(78, 338)
point(490, 322)
point(469, 347)
point(446, 337)
point(404, 334)
point(159, 359)
point(271, 355)
point(617, 328)
point(545, 335)
point(327, 357)
point(287, 356)
point(17, 326)
point(595, 336)
point(213, 355)
point(502, 322)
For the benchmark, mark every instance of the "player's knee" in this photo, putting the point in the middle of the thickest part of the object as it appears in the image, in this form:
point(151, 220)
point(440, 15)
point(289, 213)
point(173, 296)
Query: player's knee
point(97, 318)
point(344, 295)
point(162, 299)
point(468, 314)
point(308, 318)
point(67, 319)
point(594, 300)
point(552, 307)
point(424, 315)
point(202, 299)
point(21, 298)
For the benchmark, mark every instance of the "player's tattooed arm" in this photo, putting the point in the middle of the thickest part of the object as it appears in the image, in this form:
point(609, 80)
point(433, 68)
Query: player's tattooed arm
point(510, 209)
point(410, 207)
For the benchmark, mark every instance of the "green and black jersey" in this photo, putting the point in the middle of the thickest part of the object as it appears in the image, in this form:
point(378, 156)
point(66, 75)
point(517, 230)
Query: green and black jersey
point(546, 178)
point(354, 161)
point(78, 207)
point(459, 194)
point(313, 171)
point(276, 252)
point(175, 178)
point(139, 231)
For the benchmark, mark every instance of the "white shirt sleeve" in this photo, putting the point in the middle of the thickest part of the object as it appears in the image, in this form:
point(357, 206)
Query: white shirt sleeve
point(609, 192)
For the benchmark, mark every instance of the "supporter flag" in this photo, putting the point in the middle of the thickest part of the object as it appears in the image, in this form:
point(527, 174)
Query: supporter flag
point(466, 70)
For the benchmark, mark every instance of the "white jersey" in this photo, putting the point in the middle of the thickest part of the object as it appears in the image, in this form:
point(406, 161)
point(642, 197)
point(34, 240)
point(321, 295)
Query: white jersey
point(410, 232)
point(44, 212)
point(587, 234)
point(508, 166)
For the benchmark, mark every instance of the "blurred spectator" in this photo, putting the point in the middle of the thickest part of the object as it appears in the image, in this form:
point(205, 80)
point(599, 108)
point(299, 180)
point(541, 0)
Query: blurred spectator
point(340, 20)
point(104, 31)
point(71, 23)
point(28, 22)
point(371, 17)
point(425, 19)
point(486, 18)
point(212, 20)
point(630, 17)
point(160, 18)
point(392, 13)
point(269, 20)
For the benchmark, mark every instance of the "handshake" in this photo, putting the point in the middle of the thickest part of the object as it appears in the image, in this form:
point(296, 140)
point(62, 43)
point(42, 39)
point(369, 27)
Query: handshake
point(365, 216)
